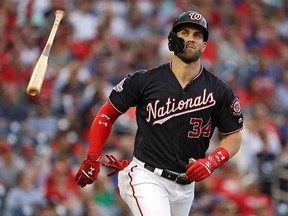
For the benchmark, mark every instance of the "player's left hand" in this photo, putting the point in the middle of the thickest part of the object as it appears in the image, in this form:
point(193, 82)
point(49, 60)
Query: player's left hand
point(203, 168)
point(115, 164)
point(200, 170)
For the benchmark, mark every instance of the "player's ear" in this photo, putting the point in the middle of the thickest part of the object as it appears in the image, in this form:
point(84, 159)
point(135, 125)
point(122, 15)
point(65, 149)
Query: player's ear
point(204, 46)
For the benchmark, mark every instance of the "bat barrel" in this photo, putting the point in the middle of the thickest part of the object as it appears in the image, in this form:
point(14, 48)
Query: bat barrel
point(32, 91)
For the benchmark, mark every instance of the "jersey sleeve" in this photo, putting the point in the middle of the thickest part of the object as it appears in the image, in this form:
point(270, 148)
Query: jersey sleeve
point(229, 115)
point(126, 93)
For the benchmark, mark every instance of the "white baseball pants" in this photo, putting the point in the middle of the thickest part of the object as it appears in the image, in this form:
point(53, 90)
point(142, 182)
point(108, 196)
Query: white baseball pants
point(148, 194)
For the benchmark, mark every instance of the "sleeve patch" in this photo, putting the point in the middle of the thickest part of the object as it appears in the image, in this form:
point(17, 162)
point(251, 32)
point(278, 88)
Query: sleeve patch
point(119, 86)
point(235, 107)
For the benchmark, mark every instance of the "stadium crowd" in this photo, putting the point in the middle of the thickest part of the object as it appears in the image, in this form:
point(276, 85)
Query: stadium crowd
point(43, 139)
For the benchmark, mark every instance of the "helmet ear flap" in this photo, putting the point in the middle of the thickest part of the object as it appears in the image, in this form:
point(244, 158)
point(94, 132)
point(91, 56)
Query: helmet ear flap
point(175, 43)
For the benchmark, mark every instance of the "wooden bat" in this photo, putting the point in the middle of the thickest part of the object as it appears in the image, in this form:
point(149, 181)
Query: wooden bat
point(39, 72)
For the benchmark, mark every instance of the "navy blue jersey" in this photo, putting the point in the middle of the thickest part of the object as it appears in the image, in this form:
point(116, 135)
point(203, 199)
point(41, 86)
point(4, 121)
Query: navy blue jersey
point(175, 124)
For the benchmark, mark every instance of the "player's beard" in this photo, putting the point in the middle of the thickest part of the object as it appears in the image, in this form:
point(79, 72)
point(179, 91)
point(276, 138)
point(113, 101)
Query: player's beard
point(189, 56)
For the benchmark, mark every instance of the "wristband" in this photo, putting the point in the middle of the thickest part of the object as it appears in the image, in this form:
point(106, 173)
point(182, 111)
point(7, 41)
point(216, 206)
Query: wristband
point(218, 157)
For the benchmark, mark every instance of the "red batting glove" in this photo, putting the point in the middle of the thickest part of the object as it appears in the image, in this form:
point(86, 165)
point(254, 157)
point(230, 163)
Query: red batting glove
point(115, 164)
point(88, 170)
point(203, 168)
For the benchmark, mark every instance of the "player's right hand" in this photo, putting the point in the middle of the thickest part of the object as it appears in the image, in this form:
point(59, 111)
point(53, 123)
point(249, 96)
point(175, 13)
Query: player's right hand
point(88, 171)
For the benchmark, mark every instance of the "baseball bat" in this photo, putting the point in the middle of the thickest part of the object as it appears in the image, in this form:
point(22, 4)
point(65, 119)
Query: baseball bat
point(39, 71)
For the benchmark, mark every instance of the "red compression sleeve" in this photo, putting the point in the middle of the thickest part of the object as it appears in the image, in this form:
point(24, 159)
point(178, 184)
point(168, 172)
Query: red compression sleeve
point(101, 128)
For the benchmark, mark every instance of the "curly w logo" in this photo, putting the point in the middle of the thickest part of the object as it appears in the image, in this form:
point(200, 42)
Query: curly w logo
point(195, 16)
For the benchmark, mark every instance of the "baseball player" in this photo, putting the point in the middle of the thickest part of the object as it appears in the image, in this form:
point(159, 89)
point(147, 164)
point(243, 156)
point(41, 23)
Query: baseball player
point(178, 106)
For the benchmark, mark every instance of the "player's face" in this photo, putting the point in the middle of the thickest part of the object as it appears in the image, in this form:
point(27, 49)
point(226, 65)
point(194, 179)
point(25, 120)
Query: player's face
point(195, 45)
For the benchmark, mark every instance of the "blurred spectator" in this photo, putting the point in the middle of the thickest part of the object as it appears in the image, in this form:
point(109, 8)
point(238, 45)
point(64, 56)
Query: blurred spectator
point(25, 198)
point(283, 160)
point(37, 163)
point(281, 93)
point(61, 190)
point(47, 211)
point(83, 21)
point(11, 70)
point(225, 207)
point(66, 146)
point(137, 28)
point(282, 23)
point(205, 199)
point(231, 54)
point(10, 165)
point(29, 49)
point(112, 23)
point(280, 185)
point(42, 123)
point(267, 163)
point(227, 181)
point(252, 201)
point(12, 106)
point(260, 135)
point(32, 11)
point(103, 195)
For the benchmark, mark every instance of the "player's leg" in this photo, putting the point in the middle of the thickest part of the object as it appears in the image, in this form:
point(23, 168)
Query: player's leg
point(142, 192)
point(182, 196)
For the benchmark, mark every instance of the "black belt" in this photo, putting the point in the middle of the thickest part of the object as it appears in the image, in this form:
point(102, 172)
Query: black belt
point(169, 175)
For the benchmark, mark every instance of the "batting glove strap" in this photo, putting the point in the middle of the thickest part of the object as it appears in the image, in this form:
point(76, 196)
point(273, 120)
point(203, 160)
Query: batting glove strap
point(92, 157)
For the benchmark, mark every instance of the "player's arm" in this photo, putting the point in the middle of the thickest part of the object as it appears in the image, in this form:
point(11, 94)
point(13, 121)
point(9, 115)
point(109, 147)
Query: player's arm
point(99, 132)
point(202, 168)
point(125, 95)
point(231, 143)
